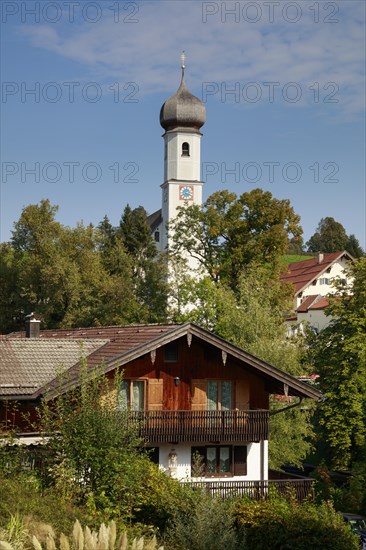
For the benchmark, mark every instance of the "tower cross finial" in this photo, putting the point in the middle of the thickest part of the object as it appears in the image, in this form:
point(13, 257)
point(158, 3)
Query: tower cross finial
point(183, 59)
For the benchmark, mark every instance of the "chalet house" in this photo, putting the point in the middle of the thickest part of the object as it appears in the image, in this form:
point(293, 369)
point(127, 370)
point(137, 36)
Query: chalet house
point(312, 280)
point(195, 393)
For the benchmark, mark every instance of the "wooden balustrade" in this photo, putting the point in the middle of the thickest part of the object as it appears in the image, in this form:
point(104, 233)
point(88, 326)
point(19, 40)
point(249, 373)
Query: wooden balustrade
point(202, 426)
point(301, 489)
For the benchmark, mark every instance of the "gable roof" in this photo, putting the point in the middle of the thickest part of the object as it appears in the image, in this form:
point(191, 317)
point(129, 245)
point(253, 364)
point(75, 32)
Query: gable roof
point(314, 301)
point(306, 304)
point(117, 346)
point(320, 304)
point(302, 273)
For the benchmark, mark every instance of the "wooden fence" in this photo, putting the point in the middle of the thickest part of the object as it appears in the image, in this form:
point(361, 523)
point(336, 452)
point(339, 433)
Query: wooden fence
point(300, 489)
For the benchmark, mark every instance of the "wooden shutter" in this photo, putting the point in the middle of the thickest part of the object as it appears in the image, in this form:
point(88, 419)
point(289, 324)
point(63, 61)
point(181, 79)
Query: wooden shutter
point(242, 395)
point(155, 394)
point(199, 396)
point(240, 460)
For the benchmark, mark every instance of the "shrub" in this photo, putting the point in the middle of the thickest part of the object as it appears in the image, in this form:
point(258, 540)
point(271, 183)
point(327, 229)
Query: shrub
point(21, 497)
point(281, 525)
point(208, 524)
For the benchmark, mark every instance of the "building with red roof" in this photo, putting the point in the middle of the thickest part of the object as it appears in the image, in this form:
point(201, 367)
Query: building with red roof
point(312, 280)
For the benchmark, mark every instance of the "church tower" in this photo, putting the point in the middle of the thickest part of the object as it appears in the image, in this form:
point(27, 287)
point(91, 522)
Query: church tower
point(182, 117)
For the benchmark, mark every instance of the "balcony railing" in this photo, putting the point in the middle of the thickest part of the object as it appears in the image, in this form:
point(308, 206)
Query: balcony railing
point(202, 426)
point(300, 489)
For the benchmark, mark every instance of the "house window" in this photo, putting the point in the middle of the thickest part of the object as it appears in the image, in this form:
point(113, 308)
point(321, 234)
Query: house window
point(131, 395)
point(219, 395)
point(171, 353)
point(185, 149)
point(314, 282)
point(157, 236)
point(218, 460)
point(324, 281)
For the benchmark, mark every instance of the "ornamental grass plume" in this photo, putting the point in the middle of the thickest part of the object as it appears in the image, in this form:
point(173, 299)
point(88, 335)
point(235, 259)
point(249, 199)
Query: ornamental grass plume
point(103, 538)
point(86, 539)
point(78, 536)
point(64, 542)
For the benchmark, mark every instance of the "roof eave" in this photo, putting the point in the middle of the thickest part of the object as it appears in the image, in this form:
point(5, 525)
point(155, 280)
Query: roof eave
point(295, 387)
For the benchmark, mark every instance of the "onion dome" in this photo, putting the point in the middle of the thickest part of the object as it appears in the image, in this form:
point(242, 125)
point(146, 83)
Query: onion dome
point(183, 110)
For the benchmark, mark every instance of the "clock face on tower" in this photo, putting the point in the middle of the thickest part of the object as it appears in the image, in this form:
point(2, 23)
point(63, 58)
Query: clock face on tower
point(186, 192)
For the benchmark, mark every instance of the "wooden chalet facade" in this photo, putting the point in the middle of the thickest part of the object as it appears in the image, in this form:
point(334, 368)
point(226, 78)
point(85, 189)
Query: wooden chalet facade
point(202, 404)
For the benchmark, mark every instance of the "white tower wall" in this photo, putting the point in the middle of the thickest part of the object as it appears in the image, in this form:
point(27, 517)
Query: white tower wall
point(177, 166)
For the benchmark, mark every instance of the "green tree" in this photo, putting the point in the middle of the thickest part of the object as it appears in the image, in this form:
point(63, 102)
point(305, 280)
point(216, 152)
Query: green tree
point(295, 246)
point(106, 234)
point(97, 459)
point(46, 277)
point(78, 276)
point(11, 312)
point(136, 235)
point(353, 247)
point(36, 227)
point(339, 356)
point(228, 233)
point(149, 267)
point(330, 236)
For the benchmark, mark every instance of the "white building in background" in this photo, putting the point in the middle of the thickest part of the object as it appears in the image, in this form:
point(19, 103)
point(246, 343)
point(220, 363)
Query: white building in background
point(182, 116)
point(313, 282)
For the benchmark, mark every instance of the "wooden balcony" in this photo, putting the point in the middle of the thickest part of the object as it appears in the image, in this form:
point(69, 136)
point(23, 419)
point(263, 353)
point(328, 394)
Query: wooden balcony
point(299, 489)
point(202, 426)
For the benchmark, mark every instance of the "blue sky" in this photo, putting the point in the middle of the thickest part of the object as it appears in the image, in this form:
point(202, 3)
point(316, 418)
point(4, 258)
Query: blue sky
point(283, 83)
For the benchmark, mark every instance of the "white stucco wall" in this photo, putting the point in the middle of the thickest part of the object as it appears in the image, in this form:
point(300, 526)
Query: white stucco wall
point(183, 451)
point(177, 166)
point(180, 171)
point(336, 270)
point(315, 318)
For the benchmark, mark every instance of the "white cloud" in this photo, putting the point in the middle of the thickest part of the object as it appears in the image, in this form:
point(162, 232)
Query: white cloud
point(147, 51)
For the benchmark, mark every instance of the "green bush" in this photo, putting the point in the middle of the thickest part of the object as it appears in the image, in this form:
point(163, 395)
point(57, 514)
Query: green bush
point(208, 524)
point(281, 525)
point(22, 497)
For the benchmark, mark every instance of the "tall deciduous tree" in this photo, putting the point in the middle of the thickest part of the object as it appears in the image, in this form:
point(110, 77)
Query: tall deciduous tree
point(11, 311)
point(231, 232)
point(330, 236)
point(340, 359)
point(65, 274)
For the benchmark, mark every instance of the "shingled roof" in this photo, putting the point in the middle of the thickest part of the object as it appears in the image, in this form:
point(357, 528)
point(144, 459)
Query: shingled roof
point(27, 364)
point(302, 273)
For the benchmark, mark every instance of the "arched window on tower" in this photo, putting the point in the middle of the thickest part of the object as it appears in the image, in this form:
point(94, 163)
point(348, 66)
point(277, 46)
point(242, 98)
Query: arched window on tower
point(185, 149)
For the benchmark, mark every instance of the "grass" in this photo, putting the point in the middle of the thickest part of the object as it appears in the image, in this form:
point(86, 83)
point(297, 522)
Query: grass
point(290, 258)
